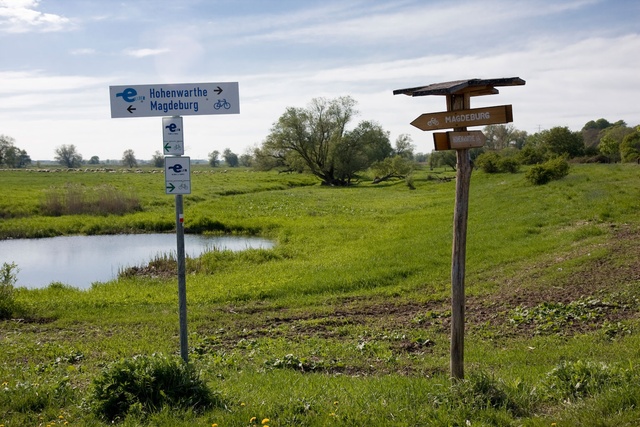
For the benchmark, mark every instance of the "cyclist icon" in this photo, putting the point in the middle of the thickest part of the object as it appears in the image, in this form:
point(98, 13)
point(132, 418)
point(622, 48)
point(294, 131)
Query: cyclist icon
point(222, 103)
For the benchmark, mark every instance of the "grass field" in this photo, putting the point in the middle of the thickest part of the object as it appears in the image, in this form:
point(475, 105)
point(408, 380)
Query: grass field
point(346, 321)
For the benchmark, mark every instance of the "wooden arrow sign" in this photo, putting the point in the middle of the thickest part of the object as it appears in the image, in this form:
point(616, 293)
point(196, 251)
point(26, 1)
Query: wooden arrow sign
point(458, 140)
point(464, 118)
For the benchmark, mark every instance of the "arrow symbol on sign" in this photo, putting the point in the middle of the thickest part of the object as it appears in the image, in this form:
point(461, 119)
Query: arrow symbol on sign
point(130, 109)
point(167, 147)
point(171, 187)
point(218, 90)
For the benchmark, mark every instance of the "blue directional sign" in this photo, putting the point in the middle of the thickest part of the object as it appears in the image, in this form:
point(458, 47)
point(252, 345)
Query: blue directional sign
point(185, 99)
point(177, 175)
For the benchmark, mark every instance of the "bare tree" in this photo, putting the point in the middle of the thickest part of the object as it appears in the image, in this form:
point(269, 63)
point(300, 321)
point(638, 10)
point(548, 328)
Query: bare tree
point(129, 159)
point(68, 156)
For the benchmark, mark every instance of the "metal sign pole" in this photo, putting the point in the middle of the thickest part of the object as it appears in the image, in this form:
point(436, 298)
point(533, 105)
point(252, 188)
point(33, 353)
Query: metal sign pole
point(182, 283)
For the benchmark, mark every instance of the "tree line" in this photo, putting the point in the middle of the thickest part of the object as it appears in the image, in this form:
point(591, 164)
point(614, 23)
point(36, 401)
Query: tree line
point(318, 139)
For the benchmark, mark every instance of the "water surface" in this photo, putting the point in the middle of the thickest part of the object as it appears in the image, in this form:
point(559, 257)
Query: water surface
point(81, 260)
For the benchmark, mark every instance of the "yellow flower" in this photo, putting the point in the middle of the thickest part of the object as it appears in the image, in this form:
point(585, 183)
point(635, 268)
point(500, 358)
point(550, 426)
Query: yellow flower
point(266, 420)
point(241, 403)
point(252, 420)
point(214, 425)
point(61, 417)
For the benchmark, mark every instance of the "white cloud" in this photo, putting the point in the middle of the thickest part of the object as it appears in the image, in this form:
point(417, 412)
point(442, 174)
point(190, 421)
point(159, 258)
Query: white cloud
point(21, 16)
point(83, 51)
point(142, 53)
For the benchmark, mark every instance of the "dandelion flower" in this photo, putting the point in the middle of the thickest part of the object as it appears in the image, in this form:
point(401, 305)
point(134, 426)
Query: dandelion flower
point(214, 425)
point(265, 421)
point(252, 420)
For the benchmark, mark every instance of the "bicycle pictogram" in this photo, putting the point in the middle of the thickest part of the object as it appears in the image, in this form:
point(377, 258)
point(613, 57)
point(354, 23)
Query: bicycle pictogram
point(433, 122)
point(222, 103)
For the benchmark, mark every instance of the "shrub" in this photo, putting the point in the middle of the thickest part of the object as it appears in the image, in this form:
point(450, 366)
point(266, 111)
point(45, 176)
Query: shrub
point(508, 164)
point(77, 200)
point(488, 162)
point(492, 162)
point(146, 384)
point(8, 279)
point(553, 169)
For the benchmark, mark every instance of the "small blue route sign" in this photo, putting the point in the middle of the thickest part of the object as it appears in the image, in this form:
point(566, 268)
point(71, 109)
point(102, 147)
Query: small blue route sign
point(177, 175)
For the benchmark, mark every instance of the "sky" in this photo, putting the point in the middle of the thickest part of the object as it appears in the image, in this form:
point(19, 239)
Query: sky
point(580, 60)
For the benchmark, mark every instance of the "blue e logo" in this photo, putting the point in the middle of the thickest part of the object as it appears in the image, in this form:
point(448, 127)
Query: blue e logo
point(128, 94)
point(172, 127)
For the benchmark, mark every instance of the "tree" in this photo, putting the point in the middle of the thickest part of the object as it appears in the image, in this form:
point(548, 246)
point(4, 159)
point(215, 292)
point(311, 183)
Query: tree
point(404, 146)
point(358, 149)
point(630, 147)
point(246, 160)
point(94, 160)
point(591, 132)
point(129, 159)
point(499, 137)
point(68, 156)
point(392, 167)
point(6, 147)
point(443, 158)
point(230, 158)
point(20, 159)
point(558, 141)
point(611, 138)
point(157, 159)
point(316, 139)
point(214, 160)
point(12, 156)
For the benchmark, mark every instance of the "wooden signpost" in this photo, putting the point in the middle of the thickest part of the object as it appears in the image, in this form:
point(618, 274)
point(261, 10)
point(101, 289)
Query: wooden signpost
point(458, 116)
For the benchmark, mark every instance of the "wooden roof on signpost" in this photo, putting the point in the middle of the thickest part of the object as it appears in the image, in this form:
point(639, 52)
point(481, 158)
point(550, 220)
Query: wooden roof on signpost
point(472, 87)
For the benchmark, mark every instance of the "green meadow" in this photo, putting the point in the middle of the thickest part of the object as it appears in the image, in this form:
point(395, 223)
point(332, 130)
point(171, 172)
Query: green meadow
point(346, 320)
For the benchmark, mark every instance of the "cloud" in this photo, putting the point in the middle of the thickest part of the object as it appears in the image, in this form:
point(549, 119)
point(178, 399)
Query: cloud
point(83, 51)
point(142, 53)
point(21, 16)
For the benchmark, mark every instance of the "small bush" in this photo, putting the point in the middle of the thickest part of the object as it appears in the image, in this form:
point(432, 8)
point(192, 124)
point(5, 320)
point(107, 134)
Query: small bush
point(488, 162)
point(492, 162)
point(509, 164)
point(146, 384)
point(8, 279)
point(551, 170)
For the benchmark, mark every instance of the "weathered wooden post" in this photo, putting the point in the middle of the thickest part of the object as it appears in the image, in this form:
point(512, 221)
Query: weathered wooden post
point(459, 245)
point(458, 116)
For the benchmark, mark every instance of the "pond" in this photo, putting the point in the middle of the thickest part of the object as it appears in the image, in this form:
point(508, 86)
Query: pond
point(79, 261)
